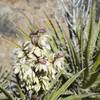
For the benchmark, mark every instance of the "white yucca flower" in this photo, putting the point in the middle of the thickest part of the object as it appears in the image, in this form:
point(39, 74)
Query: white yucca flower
point(38, 52)
point(45, 82)
point(43, 42)
point(19, 53)
point(17, 68)
point(59, 63)
point(36, 65)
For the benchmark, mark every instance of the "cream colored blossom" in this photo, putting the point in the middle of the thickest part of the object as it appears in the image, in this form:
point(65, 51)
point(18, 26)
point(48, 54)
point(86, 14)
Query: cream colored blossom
point(20, 53)
point(17, 70)
point(28, 47)
point(37, 65)
point(41, 67)
point(45, 82)
point(52, 71)
point(22, 60)
point(31, 56)
point(51, 57)
point(36, 87)
point(29, 74)
point(43, 42)
point(59, 63)
point(38, 52)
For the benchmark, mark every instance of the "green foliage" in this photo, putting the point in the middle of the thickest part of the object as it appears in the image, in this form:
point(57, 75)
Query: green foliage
point(86, 53)
point(64, 87)
point(5, 77)
point(81, 51)
point(21, 93)
point(8, 95)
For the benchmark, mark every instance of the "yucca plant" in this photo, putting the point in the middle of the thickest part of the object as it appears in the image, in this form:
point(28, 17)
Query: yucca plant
point(5, 78)
point(54, 63)
point(82, 50)
point(39, 64)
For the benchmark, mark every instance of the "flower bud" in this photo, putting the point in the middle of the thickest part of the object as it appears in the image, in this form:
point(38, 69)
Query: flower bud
point(43, 42)
point(41, 30)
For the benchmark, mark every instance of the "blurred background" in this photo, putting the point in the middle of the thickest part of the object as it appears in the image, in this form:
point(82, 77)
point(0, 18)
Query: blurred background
point(11, 14)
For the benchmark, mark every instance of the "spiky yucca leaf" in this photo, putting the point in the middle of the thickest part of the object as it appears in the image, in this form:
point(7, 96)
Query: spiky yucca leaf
point(85, 36)
point(8, 95)
point(57, 93)
point(5, 77)
point(76, 97)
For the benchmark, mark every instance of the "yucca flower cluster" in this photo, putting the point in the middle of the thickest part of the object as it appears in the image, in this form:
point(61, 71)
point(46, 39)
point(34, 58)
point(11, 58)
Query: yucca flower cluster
point(36, 65)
